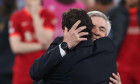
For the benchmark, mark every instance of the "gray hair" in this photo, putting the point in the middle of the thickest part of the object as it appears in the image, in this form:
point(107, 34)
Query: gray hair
point(100, 14)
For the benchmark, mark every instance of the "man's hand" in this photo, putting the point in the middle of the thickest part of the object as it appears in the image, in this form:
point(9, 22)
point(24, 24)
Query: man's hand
point(116, 79)
point(34, 8)
point(73, 36)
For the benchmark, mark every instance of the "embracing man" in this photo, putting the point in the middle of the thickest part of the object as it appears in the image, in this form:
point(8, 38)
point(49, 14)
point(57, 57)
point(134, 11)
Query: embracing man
point(75, 58)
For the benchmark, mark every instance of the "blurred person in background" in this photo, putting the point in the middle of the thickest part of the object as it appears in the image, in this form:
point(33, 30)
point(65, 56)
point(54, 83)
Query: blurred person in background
point(90, 5)
point(58, 7)
point(125, 20)
point(103, 5)
point(98, 5)
point(6, 55)
point(30, 33)
point(116, 2)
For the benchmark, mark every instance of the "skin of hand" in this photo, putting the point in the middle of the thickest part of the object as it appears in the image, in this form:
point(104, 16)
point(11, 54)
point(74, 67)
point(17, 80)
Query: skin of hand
point(34, 8)
point(116, 79)
point(73, 36)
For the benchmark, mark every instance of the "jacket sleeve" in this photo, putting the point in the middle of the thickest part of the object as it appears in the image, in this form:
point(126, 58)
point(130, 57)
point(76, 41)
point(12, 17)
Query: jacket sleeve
point(43, 65)
point(104, 60)
point(119, 24)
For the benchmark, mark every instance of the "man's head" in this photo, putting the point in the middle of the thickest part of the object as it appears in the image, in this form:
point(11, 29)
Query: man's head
point(103, 5)
point(90, 5)
point(73, 15)
point(132, 3)
point(101, 24)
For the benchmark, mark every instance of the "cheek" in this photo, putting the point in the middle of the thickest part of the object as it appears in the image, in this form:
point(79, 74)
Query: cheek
point(103, 34)
point(93, 31)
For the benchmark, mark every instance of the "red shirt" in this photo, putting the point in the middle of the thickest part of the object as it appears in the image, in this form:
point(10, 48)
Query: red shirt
point(21, 25)
point(129, 57)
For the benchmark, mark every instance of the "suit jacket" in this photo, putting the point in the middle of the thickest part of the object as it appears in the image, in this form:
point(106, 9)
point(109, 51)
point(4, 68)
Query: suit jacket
point(120, 18)
point(87, 63)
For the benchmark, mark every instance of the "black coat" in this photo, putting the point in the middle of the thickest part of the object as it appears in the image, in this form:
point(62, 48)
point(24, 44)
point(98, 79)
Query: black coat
point(119, 17)
point(87, 63)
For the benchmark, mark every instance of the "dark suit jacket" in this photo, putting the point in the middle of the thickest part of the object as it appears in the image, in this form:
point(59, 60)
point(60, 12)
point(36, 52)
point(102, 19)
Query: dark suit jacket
point(87, 63)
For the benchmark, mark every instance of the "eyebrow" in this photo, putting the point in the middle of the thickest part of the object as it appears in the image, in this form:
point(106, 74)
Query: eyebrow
point(102, 27)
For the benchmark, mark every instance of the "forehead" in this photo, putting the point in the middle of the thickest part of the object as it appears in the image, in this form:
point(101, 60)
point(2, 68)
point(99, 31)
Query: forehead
point(99, 21)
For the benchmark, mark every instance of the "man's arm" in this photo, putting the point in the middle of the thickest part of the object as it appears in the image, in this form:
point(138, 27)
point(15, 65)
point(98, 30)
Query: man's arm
point(19, 47)
point(43, 65)
point(105, 56)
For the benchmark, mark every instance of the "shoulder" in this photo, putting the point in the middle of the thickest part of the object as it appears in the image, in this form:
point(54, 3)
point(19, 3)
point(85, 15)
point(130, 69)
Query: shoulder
point(17, 14)
point(105, 43)
point(47, 12)
point(48, 16)
point(57, 40)
point(104, 40)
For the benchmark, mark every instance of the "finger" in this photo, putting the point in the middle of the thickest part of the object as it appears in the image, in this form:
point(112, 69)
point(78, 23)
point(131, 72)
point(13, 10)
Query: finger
point(115, 76)
point(82, 39)
point(80, 29)
point(83, 34)
point(65, 30)
point(119, 76)
point(113, 80)
point(76, 25)
point(110, 83)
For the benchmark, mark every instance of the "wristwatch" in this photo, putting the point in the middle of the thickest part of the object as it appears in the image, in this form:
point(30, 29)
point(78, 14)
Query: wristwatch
point(65, 47)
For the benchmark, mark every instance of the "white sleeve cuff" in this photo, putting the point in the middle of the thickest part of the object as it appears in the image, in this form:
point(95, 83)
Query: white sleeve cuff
point(62, 52)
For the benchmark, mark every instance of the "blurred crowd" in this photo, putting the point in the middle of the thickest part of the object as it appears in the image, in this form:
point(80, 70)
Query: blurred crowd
point(27, 27)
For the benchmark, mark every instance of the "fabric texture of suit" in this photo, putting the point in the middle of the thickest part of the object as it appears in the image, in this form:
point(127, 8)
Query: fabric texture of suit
point(88, 63)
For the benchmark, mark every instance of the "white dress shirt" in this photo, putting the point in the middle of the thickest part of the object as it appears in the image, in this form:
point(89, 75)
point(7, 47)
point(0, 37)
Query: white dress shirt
point(62, 52)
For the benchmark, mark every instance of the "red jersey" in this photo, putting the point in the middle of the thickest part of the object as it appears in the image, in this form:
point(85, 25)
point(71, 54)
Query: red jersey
point(21, 25)
point(129, 56)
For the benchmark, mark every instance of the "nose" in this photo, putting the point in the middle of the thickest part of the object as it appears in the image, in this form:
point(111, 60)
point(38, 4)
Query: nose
point(96, 31)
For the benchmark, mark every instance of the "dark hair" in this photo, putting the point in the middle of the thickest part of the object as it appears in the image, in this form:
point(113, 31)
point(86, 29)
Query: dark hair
point(104, 2)
point(72, 16)
point(8, 6)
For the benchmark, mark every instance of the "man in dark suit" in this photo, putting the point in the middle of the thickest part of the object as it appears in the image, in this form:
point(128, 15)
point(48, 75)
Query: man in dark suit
point(83, 62)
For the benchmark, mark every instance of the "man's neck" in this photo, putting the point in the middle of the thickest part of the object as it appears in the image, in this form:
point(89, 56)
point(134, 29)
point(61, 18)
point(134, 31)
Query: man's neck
point(67, 2)
point(28, 7)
